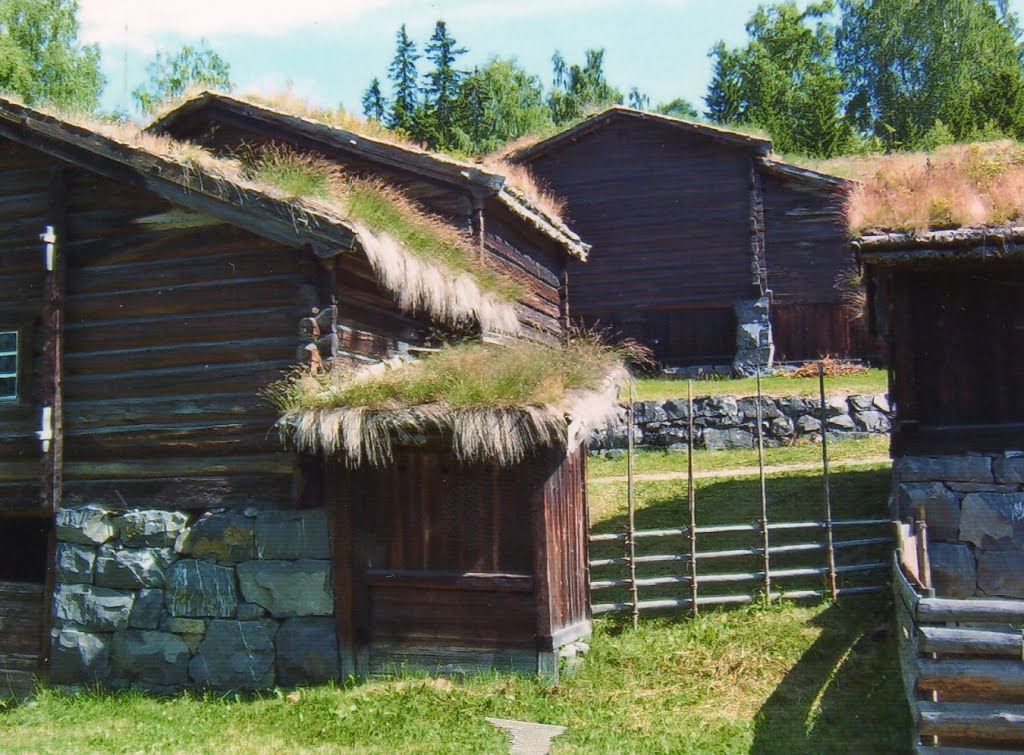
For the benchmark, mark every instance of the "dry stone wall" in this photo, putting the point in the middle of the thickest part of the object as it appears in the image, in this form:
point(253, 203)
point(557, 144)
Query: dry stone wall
point(164, 600)
point(722, 422)
point(974, 507)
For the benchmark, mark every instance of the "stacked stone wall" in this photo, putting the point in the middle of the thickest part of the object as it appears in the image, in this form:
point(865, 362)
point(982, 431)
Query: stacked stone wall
point(164, 600)
point(974, 509)
point(728, 422)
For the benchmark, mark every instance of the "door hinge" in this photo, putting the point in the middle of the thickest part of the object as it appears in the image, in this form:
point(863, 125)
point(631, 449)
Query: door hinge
point(45, 432)
point(49, 238)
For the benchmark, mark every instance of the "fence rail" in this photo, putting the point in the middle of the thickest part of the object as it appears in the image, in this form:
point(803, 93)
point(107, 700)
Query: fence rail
point(860, 543)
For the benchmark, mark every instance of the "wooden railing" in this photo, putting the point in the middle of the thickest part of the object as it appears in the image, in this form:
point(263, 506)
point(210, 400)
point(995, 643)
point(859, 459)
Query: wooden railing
point(962, 660)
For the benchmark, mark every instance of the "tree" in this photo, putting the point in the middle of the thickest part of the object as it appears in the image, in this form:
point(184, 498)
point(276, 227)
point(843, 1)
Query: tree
point(639, 100)
point(41, 59)
point(578, 89)
point(373, 101)
point(680, 107)
point(908, 66)
point(497, 103)
point(172, 75)
point(403, 77)
point(441, 93)
point(784, 80)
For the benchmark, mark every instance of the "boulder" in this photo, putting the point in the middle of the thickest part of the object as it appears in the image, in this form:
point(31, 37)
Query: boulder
point(808, 424)
point(132, 568)
point(78, 657)
point(747, 407)
point(93, 608)
point(1001, 573)
point(196, 588)
point(872, 421)
point(943, 468)
point(292, 534)
point(941, 508)
point(676, 409)
point(795, 406)
point(150, 528)
point(235, 655)
point(85, 525)
point(307, 651)
point(954, 573)
point(288, 588)
point(146, 610)
point(1009, 470)
point(862, 403)
point(74, 563)
point(842, 423)
point(649, 411)
point(224, 536)
point(882, 403)
point(782, 427)
point(718, 406)
point(990, 520)
point(835, 406)
point(250, 611)
point(153, 660)
point(715, 439)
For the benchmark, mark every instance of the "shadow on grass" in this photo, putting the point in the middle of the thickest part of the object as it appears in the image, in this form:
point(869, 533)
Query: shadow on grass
point(844, 694)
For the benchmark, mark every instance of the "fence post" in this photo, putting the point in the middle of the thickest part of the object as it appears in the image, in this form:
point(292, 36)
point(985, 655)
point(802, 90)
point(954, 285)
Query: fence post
point(764, 493)
point(691, 497)
point(631, 508)
point(827, 481)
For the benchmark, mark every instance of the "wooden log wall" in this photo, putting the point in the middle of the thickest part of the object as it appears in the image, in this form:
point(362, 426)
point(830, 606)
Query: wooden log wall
point(170, 336)
point(962, 668)
point(510, 245)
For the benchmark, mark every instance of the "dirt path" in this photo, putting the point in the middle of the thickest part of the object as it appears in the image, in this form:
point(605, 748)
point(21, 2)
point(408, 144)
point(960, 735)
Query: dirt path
point(740, 471)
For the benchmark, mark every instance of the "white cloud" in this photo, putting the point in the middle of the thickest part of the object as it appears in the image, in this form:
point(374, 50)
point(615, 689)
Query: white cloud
point(145, 24)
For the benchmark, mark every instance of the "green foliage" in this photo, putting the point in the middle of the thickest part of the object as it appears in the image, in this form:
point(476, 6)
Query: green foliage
point(437, 117)
point(374, 106)
point(293, 173)
point(41, 59)
point(784, 80)
point(680, 107)
point(499, 102)
point(404, 82)
point(910, 65)
point(173, 74)
point(580, 89)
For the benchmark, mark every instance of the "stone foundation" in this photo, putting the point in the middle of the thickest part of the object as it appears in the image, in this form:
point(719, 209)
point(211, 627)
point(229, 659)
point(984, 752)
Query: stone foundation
point(728, 422)
point(164, 600)
point(974, 508)
point(755, 349)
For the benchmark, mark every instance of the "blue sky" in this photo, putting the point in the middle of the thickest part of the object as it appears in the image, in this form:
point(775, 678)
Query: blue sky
point(328, 50)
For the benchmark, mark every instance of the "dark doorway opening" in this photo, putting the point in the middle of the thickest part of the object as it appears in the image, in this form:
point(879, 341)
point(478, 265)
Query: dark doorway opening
point(24, 549)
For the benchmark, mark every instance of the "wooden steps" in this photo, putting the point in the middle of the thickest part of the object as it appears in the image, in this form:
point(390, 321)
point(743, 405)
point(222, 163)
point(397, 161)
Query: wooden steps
point(22, 613)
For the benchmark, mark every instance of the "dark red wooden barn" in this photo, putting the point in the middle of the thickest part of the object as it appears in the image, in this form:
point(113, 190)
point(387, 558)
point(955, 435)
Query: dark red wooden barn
point(692, 226)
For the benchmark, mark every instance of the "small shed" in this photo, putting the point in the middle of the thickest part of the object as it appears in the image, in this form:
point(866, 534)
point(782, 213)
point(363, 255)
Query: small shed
point(949, 305)
point(461, 533)
point(705, 246)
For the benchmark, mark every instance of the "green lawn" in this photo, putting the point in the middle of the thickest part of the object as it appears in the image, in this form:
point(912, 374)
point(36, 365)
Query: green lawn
point(870, 381)
point(778, 678)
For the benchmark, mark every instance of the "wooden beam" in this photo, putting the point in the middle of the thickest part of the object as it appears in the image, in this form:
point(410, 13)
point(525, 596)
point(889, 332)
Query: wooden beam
point(53, 341)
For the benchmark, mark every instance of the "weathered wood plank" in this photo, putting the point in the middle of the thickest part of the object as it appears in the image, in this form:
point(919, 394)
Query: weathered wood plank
point(971, 642)
point(973, 720)
point(939, 610)
point(982, 677)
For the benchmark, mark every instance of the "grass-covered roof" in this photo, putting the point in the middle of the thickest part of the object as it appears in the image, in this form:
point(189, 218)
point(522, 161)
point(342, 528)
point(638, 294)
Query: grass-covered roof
point(495, 402)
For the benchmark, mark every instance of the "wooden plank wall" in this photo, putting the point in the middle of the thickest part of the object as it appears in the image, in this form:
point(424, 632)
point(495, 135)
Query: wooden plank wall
point(567, 538)
point(511, 245)
point(667, 215)
point(807, 330)
point(171, 335)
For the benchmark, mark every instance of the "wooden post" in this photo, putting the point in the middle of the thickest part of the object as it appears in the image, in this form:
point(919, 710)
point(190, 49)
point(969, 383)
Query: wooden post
point(827, 483)
point(924, 565)
point(764, 494)
point(52, 394)
point(631, 509)
point(691, 496)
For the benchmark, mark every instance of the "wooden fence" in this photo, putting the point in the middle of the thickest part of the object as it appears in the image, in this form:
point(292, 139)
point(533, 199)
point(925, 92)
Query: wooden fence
point(833, 557)
point(962, 660)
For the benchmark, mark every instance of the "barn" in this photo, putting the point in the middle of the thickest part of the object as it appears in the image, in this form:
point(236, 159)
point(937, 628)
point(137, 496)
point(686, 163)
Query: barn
point(705, 246)
point(155, 531)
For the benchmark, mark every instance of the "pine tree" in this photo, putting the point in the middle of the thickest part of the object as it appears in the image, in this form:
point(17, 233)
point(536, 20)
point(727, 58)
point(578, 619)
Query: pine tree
point(578, 89)
point(373, 101)
point(403, 77)
point(441, 93)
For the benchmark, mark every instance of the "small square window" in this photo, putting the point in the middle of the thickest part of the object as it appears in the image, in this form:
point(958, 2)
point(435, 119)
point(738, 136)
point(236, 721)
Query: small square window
point(8, 365)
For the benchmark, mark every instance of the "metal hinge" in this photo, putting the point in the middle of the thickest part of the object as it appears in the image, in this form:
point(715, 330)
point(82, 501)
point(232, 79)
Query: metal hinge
point(49, 238)
point(45, 432)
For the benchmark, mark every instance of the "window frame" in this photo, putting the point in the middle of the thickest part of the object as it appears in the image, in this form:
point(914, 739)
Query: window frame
point(17, 373)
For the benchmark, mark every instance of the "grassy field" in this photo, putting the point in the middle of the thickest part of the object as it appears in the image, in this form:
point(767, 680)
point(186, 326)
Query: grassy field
point(870, 381)
point(780, 678)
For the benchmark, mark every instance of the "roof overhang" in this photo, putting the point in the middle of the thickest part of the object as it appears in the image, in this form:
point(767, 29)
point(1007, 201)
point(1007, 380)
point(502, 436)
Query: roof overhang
point(941, 248)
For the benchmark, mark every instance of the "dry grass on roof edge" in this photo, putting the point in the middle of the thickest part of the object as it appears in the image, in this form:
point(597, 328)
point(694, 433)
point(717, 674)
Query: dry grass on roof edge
point(955, 186)
point(495, 403)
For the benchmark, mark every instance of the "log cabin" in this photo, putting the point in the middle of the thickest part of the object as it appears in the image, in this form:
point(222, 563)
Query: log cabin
point(705, 246)
point(155, 532)
point(949, 305)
